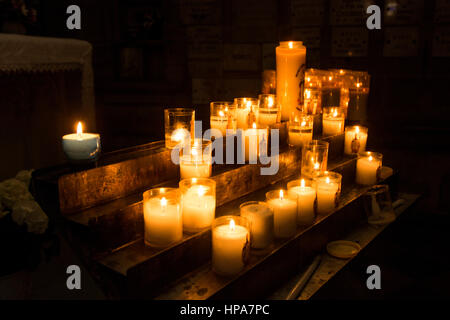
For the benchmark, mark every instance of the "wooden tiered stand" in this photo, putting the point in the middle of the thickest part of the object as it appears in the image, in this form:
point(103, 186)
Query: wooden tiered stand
point(101, 210)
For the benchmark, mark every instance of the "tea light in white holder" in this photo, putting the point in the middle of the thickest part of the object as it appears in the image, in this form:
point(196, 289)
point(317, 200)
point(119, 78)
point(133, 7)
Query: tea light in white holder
point(198, 203)
point(260, 216)
point(333, 121)
point(328, 191)
point(305, 192)
point(162, 217)
point(284, 208)
point(355, 139)
point(230, 244)
point(81, 147)
point(368, 168)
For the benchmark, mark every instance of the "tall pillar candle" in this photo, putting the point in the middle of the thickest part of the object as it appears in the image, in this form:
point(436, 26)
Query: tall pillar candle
point(284, 208)
point(291, 58)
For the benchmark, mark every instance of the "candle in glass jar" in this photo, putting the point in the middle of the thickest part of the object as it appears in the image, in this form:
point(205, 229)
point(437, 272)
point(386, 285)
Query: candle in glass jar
point(198, 162)
point(306, 196)
point(246, 110)
point(254, 138)
point(333, 122)
point(162, 217)
point(300, 130)
point(229, 244)
point(81, 146)
point(355, 139)
point(328, 191)
point(284, 209)
point(368, 167)
point(268, 110)
point(260, 217)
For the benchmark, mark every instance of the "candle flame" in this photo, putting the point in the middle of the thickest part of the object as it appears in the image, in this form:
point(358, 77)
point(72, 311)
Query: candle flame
point(249, 104)
point(308, 94)
point(232, 224)
point(194, 152)
point(341, 71)
point(221, 113)
point(254, 125)
point(270, 103)
point(308, 79)
point(327, 180)
point(302, 183)
point(79, 128)
point(335, 113)
point(330, 78)
point(281, 194)
point(194, 180)
point(163, 201)
point(303, 123)
point(316, 166)
point(291, 45)
point(201, 191)
point(358, 84)
point(357, 129)
point(370, 158)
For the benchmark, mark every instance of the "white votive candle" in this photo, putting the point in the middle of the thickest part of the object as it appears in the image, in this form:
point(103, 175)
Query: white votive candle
point(300, 130)
point(284, 209)
point(197, 162)
point(333, 122)
point(368, 168)
point(328, 192)
point(268, 110)
point(260, 216)
point(230, 245)
point(81, 146)
point(355, 139)
point(253, 139)
point(306, 196)
point(162, 217)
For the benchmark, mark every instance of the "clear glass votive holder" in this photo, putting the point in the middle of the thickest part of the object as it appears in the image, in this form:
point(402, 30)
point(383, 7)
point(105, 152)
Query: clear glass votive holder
point(300, 129)
point(246, 111)
point(328, 191)
point(368, 168)
point(223, 116)
point(313, 91)
point(230, 244)
point(196, 159)
point(179, 126)
point(163, 221)
point(333, 121)
point(304, 189)
point(268, 111)
point(314, 158)
point(334, 90)
point(198, 203)
point(378, 205)
point(355, 139)
point(284, 208)
point(260, 216)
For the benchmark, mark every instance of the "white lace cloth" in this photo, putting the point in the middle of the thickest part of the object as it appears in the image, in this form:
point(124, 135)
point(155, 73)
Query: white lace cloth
point(41, 54)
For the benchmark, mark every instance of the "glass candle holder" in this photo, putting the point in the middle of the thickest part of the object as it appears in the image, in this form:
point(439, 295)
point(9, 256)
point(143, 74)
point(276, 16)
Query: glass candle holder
point(313, 91)
point(255, 142)
point(196, 160)
point(260, 216)
point(333, 121)
point(269, 82)
point(268, 111)
point(304, 190)
point(378, 205)
point(162, 217)
point(334, 90)
point(284, 208)
point(223, 116)
point(300, 129)
point(368, 168)
point(179, 126)
point(246, 111)
point(328, 191)
point(198, 203)
point(314, 158)
point(355, 139)
point(230, 244)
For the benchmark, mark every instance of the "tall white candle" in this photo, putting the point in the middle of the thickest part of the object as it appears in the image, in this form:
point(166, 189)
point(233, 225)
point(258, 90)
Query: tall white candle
point(355, 139)
point(261, 223)
point(81, 146)
point(367, 168)
point(228, 245)
point(198, 208)
point(291, 58)
point(284, 213)
point(306, 196)
point(328, 191)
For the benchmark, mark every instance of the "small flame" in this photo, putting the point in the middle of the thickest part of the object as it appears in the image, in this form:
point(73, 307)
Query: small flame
point(308, 94)
point(281, 194)
point(370, 158)
point(194, 152)
point(249, 104)
point(270, 102)
point(358, 84)
point(201, 191)
point(341, 71)
point(254, 125)
point(221, 113)
point(357, 129)
point(330, 78)
point(302, 183)
point(194, 180)
point(327, 180)
point(303, 123)
point(308, 79)
point(232, 224)
point(291, 45)
point(316, 166)
point(163, 202)
point(79, 129)
point(335, 113)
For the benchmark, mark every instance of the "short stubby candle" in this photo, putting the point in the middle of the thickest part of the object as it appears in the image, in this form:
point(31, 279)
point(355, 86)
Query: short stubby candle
point(230, 244)
point(300, 130)
point(305, 192)
point(80, 147)
point(314, 158)
point(162, 217)
point(284, 208)
point(223, 117)
point(246, 111)
point(355, 139)
point(197, 161)
point(255, 141)
point(268, 110)
point(291, 65)
point(328, 192)
point(368, 168)
point(178, 126)
point(333, 121)
point(198, 203)
point(260, 216)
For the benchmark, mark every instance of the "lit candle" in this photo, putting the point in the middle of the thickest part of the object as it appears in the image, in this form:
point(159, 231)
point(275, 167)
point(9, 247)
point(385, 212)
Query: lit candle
point(220, 122)
point(291, 58)
point(197, 163)
point(230, 245)
point(284, 208)
point(268, 110)
point(333, 122)
point(314, 158)
point(223, 116)
point(81, 146)
point(162, 217)
point(368, 168)
point(198, 203)
point(306, 196)
point(355, 139)
point(260, 216)
point(246, 109)
point(254, 138)
point(328, 191)
point(300, 130)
